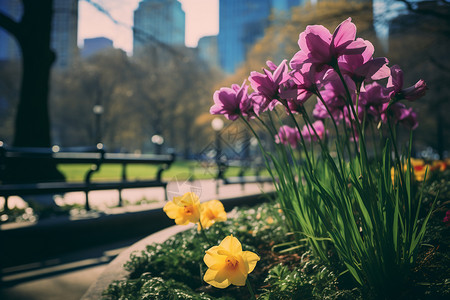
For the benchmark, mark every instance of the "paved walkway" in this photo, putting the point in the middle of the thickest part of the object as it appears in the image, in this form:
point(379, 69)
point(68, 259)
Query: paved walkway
point(69, 276)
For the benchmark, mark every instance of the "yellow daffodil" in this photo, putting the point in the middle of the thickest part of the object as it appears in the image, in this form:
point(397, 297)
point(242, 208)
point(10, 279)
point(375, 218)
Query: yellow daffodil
point(438, 165)
point(212, 212)
point(184, 209)
point(228, 264)
point(416, 162)
point(419, 172)
point(418, 169)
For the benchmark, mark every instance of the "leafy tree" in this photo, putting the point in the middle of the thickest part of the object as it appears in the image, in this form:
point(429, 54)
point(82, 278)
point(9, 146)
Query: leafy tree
point(419, 42)
point(154, 93)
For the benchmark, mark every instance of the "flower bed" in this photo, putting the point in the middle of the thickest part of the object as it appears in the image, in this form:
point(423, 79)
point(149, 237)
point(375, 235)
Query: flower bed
point(172, 270)
point(356, 211)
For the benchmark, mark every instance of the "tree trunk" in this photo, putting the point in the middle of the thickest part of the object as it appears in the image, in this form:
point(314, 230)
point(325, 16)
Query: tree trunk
point(32, 124)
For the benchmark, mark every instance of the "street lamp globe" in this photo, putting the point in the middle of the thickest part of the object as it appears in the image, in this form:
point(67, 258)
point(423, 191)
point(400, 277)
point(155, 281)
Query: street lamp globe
point(98, 109)
point(217, 124)
point(157, 139)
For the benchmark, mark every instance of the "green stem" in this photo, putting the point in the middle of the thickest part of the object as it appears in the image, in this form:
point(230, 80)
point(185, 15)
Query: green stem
point(250, 289)
point(202, 230)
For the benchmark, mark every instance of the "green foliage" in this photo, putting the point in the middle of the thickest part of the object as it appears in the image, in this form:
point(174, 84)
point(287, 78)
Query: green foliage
point(180, 258)
point(308, 280)
point(152, 288)
point(141, 97)
point(173, 269)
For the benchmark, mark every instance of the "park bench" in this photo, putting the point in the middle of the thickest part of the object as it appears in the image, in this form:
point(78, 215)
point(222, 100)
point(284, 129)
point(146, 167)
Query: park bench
point(96, 157)
point(244, 165)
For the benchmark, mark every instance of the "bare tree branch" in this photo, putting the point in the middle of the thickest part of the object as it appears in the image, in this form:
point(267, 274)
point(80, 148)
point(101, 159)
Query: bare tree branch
point(439, 64)
point(140, 34)
point(425, 11)
point(9, 25)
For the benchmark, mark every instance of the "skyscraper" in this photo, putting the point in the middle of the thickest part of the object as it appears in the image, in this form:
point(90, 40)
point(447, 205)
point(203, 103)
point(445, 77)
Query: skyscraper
point(241, 24)
point(64, 31)
point(63, 35)
point(95, 45)
point(160, 20)
point(207, 50)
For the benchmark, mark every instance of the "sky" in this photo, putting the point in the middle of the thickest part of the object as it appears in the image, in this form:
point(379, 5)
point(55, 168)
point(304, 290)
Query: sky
point(202, 19)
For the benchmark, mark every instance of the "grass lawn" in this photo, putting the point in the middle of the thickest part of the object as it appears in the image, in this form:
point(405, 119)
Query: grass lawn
point(182, 169)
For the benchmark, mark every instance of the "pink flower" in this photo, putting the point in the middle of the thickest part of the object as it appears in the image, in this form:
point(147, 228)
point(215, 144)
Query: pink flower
point(446, 219)
point(321, 48)
point(372, 98)
point(268, 84)
point(363, 66)
point(416, 91)
point(334, 95)
point(349, 116)
point(400, 114)
point(232, 102)
point(287, 135)
point(260, 103)
point(307, 80)
point(320, 111)
point(308, 132)
point(395, 83)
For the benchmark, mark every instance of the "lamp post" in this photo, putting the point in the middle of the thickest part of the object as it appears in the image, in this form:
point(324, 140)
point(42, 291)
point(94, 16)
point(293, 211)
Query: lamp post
point(217, 126)
point(98, 111)
point(157, 140)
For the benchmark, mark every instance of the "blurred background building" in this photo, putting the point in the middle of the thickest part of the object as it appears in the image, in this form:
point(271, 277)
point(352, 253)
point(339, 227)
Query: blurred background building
point(64, 31)
point(95, 45)
point(241, 24)
point(63, 35)
point(163, 20)
point(207, 50)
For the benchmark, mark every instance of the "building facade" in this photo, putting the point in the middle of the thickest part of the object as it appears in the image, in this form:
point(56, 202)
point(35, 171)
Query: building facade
point(64, 32)
point(241, 24)
point(95, 45)
point(63, 35)
point(158, 21)
point(207, 50)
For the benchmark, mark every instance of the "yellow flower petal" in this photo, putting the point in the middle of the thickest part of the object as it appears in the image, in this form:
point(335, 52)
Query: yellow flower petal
point(171, 209)
point(250, 259)
point(237, 277)
point(212, 212)
point(210, 278)
point(214, 260)
point(417, 162)
point(228, 264)
point(232, 244)
point(187, 199)
point(222, 275)
point(210, 275)
point(184, 209)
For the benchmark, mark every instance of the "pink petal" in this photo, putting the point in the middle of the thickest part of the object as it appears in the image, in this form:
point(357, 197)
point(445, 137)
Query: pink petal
point(346, 31)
